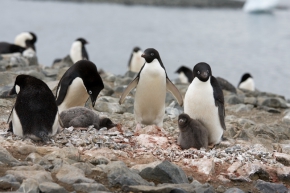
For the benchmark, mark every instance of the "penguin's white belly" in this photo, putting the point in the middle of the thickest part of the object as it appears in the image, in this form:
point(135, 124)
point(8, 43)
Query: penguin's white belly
point(136, 62)
point(183, 78)
point(248, 84)
point(199, 104)
point(149, 105)
point(55, 125)
point(76, 95)
point(76, 51)
point(17, 126)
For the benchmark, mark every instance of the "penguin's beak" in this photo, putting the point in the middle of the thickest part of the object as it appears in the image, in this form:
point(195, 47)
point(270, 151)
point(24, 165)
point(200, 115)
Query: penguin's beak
point(143, 55)
point(204, 75)
point(93, 100)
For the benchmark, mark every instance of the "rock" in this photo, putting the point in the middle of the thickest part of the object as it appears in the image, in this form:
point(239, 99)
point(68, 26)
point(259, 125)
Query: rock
point(86, 167)
point(286, 118)
point(61, 72)
point(9, 182)
point(50, 187)
point(70, 174)
point(285, 148)
point(6, 157)
point(272, 102)
point(250, 100)
point(151, 141)
point(234, 190)
point(163, 172)
point(172, 112)
point(109, 107)
point(283, 173)
point(226, 85)
point(161, 188)
point(33, 157)
point(35, 172)
point(204, 166)
point(5, 103)
point(50, 72)
point(29, 186)
point(233, 99)
point(119, 174)
point(282, 158)
point(122, 81)
point(25, 149)
point(267, 187)
point(7, 78)
point(240, 108)
point(96, 153)
point(251, 171)
point(4, 92)
point(65, 62)
point(130, 74)
point(89, 187)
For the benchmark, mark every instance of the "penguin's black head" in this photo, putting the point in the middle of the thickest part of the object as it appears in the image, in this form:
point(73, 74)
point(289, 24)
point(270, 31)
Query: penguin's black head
point(150, 54)
point(245, 77)
point(106, 122)
point(183, 120)
point(82, 40)
point(202, 71)
point(19, 84)
point(136, 49)
point(183, 69)
point(30, 42)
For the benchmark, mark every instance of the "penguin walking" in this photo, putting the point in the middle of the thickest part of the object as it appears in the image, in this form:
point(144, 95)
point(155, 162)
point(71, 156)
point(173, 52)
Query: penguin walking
point(247, 82)
point(151, 84)
point(23, 41)
point(192, 133)
point(204, 100)
point(78, 83)
point(185, 74)
point(136, 60)
point(78, 50)
point(35, 112)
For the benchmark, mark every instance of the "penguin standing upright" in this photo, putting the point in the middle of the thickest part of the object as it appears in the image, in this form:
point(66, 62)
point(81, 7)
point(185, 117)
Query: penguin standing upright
point(78, 83)
point(78, 50)
point(204, 100)
point(136, 60)
point(151, 84)
point(247, 82)
point(35, 112)
point(185, 74)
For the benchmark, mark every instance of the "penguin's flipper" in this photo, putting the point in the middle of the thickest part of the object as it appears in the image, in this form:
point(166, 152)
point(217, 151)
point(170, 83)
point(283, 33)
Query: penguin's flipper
point(172, 88)
point(130, 87)
point(219, 100)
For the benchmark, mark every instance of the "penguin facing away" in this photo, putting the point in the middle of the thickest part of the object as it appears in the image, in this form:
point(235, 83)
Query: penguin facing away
point(35, 112)
point(204, 101)
point(151, 84)
point(84, 117)
point(26, 40)
point(78, 83)
point(185, 74)
point(247, 82)
point(7, 48)
point(192, 133)
point(78, 50)
point(136, 60)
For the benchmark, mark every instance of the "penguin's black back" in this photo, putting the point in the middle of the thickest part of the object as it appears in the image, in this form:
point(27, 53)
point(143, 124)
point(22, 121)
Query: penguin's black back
point(187, 72)
point(245, 77)
point(7, 48)
point(84, 69)
point(35, 105)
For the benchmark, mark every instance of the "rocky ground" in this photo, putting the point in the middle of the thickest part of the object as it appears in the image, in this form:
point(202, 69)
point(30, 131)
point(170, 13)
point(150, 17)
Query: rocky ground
point(254, 155)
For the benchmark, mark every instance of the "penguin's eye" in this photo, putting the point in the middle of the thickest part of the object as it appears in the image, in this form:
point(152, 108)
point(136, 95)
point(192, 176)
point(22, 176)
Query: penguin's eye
point(90, 92)
point(152, 54)
point(198, 72)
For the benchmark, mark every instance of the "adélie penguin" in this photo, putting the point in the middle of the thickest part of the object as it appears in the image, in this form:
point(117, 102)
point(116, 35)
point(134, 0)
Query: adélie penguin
point(247, 82)
point(78, 83)
point(204, 100)
point(185, 74)
point(151, 84)
point(35, 112)
point(136, 60)
point(78, 50)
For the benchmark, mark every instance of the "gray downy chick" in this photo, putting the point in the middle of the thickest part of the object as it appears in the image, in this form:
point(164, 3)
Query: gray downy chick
point(84, 117)
point(192, 133)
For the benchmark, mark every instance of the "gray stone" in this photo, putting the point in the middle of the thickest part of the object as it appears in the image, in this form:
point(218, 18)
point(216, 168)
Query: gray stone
point(65, 62)
point(61, 72)
point(50, 187)
point(5, 103)
point(233, 99)
point(286, 118)
point(6, 157)
point(122, 81)
point(272, 102)
point(130, 74)
point(120, 89)
point(240, 108)
point(250, 100)
point(267, 187)
point(266, 132)
point(9, 182)
point(71, 174)
point(33, 157)
point(119, 174)
point(234, 190)
point(50, 72)
point(174, 112)
point(4, 92)
point(164, 172)
point(89, 187)
point(109, 107)
point(86, 167)
point(35, 172)
point(282, 158)
point(7, 78)
point(283, 173)
point(29, 186)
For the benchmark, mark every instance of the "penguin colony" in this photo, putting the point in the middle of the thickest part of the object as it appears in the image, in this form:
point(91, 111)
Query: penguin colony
point(39, 115)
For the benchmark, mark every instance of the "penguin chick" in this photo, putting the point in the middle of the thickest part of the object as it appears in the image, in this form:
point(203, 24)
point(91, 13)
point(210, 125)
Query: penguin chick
point(247, 82)
point(84, 117)
point(136, 61)
point(78, 50)
point(192, 133)
point(35, 112)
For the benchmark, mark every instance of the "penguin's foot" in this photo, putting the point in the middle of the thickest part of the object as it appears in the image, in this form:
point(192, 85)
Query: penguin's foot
point(210, 146)
point(43, 136)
